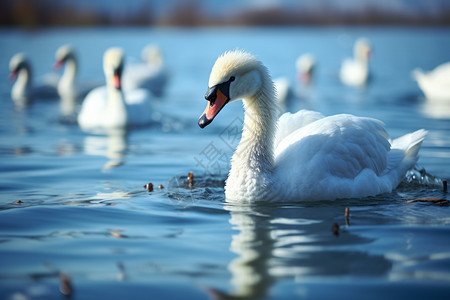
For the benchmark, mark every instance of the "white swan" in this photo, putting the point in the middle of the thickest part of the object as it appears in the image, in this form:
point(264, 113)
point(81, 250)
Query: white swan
point(435, 84)
point(23, 91)
point(310, 157)
point(68, 85)
point(355, 72)
point(305, 65)
point(108, 107)
point(151, 74)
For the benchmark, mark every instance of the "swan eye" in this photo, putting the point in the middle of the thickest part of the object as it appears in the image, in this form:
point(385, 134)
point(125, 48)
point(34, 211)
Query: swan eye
point(232, 78)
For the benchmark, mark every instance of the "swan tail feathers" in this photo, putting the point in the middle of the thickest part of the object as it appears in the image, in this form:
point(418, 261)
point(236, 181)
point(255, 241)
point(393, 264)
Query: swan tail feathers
point(403, 155)
point(409, 144)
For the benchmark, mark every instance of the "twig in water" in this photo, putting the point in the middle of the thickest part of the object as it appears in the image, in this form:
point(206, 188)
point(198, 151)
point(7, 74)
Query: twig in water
point(65, 286)
point(335, 229)
point(347, 214)
point(191, 179)
point(438, 201)
point(149, 187)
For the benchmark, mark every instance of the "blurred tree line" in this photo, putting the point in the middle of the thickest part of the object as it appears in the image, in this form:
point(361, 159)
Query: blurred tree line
point(43, 13)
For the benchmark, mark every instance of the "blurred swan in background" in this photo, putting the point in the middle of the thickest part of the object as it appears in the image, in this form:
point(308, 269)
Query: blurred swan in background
point(151, 74)
point(109, 107)
point(24, 90)
point(283, 90)
point(355, 72)
point(435, 84)
point(305, 65)
point(302, 156)
point(68, 85)
point(69, 89)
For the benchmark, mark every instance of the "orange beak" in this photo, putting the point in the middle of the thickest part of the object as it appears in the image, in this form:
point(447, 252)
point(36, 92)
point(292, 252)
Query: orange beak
point(58, 65)
point(13, 75)
point(213, 108)
point(217, 97)
point(304, 77)
point(117, 84)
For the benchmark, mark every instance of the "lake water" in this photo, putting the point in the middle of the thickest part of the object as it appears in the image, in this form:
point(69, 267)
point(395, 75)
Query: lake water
point(74, 209)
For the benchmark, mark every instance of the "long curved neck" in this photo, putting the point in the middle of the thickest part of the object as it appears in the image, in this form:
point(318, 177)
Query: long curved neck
point(256, 145)
point(361, 57)
point(24, 78)
point(21, 90)
point(116, 109)
point(70, 72)
point(253, 161)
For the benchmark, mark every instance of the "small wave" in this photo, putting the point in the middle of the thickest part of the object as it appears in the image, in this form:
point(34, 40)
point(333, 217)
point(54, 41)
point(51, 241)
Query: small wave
point(197, 187)
point(418, 176)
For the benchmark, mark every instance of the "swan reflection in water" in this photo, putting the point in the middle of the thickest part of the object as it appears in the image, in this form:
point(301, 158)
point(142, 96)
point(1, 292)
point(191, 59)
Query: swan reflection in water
point(278, 242)
point(436, 110)
point(113, 145)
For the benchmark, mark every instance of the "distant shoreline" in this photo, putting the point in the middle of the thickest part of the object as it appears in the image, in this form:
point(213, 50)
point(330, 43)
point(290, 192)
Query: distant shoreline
point(35, 14)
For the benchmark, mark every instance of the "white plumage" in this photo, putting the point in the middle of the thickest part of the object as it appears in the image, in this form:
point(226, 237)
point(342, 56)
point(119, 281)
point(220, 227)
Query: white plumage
point(342, 156)
point(308, 157)
point(355, 72)
point(435, 84)
point(108, 107)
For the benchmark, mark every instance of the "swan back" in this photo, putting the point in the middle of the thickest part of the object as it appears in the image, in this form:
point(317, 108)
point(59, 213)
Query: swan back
point(343, 156)
point(289, 123)
point(435, 84)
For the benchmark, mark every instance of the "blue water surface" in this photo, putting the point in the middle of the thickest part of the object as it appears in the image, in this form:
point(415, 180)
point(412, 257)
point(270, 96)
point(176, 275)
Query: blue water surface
point(74, 209)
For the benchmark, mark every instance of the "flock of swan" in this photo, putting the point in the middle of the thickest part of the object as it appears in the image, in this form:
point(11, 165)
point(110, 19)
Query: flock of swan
point(292, 157)
point(135, 84)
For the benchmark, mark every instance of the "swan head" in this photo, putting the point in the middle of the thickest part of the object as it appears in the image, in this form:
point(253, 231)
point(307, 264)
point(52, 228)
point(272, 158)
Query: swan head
point(113, 61)
point(152, 55)
point(17, 63)
point(62, 55)
point(235, 75)
point(363, 49)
